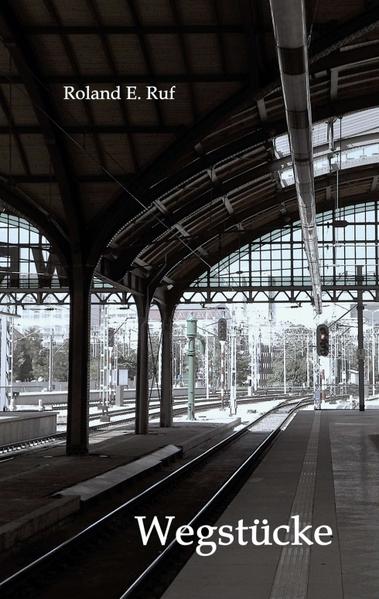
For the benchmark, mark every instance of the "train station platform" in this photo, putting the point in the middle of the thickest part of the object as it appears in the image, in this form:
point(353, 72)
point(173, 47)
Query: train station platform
point(323, 468)
point(42, 486)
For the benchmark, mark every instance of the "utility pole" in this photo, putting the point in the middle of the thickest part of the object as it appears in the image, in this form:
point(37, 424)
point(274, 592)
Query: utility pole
point(335, 361)
point(191, 334)
point(284, 364)
point(233, 372)
point(222, 334)
point(104, 364)
point(50, 374)
point(344, 361)
point(373, 354)
point(180, 363)
point(158, 381)
point(222, 374)
point(314, 354)
point(317, 381)
point(252, 351)
point(361, 351)
point(308, 372)
point(206, 365)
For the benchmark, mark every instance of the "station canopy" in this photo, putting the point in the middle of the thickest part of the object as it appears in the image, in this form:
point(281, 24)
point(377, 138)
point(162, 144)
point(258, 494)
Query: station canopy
point(154, 193)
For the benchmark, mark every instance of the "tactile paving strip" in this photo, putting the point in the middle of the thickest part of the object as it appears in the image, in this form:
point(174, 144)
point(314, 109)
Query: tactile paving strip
point(291, 578)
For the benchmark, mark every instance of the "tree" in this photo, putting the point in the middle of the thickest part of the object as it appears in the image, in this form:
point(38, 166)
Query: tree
point(30, 358)
point(129, 362)
point(296, 365)
point(60, 361)
point(154, 347)
point(23, 366)
point(243, 363)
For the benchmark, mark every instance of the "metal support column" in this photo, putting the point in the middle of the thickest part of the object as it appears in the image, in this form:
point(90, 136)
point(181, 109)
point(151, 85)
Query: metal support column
point(361, 351)
point(167, 315)
point(78, 377)
point(142, 380)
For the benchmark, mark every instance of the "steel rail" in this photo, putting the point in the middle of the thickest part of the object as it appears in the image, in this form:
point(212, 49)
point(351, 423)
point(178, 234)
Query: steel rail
point(20, 446)
point(180, 407)
point(82, 535)
point(217, 497)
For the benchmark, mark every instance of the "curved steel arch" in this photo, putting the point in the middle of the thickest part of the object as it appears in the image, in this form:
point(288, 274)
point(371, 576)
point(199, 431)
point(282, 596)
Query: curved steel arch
point(190, 273)
point(181, 260)
point(26, 207)
point(148, 235)
point(137, 238)
point(319, 51)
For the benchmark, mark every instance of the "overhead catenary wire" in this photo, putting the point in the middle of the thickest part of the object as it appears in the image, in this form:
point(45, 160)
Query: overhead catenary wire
point(314, 17)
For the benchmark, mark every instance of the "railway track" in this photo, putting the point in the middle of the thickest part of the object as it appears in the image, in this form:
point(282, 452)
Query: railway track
point(124, 415)
point(108, 557)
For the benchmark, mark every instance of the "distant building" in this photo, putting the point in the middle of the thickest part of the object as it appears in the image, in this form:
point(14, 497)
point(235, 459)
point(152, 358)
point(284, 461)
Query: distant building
point(264, 363)
point(49, 320)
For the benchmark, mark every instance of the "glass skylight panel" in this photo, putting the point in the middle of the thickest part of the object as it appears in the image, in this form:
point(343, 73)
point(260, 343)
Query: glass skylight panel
point(281, 146)
point(365, 154)
point(352, 125)
point(319, 137)
point(357, 123)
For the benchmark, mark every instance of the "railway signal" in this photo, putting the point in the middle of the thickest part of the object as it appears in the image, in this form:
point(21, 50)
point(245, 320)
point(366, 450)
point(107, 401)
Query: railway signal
point(111, 334)
point(322, 340)
point(222, 329)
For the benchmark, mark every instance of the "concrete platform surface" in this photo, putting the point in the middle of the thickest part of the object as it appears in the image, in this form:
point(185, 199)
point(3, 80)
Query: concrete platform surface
point(31, 481)
point(25, 426)
point(93, 487)
point(324, 468)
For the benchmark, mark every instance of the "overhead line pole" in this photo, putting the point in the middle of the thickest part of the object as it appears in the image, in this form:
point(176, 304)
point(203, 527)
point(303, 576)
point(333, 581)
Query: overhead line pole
point(360, 351)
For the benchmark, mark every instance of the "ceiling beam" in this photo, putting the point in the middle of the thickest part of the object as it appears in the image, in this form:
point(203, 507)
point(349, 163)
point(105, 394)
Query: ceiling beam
point(344, 34)
point(27, 66)
point(133, 29)
point(112, 64)
point(254, 47)
point(147, 53)
point(94, 129)
point(11, 130)
point(47, 178)
point(76, 69)
point(186, 59)
point(133, 78)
